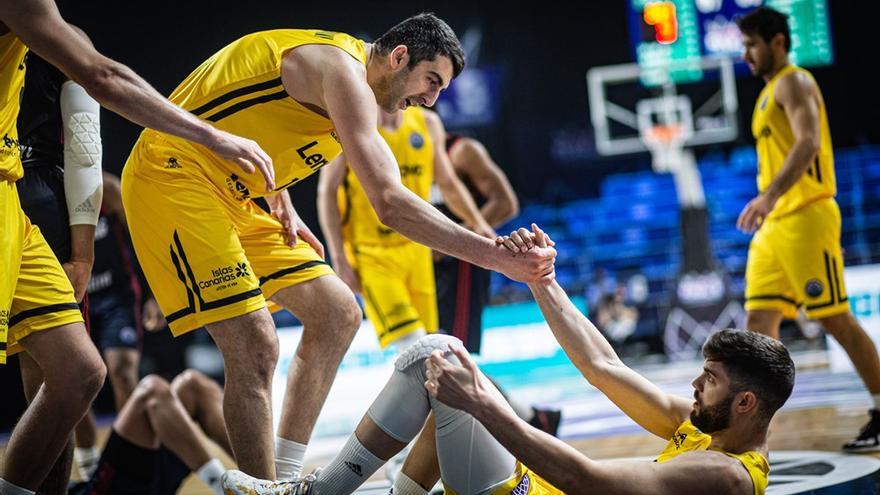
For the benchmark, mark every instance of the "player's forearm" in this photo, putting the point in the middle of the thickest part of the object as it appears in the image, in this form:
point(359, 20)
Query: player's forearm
point(330, 219)
point(461, 202)
point(408, 214)
point(498, 211)
point(583, 343)
point(796, 164)
point(82, 243)
point(119, 89)
point(556, 461)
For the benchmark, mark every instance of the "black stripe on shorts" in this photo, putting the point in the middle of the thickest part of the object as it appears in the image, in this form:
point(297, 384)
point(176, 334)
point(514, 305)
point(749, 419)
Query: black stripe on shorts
point(42, 310)
point(292, 269)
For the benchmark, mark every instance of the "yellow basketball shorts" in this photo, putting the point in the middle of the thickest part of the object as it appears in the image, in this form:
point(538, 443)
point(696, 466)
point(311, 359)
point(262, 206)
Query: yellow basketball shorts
point(209, 253)
point(35, 293)
point(525, 482)
point(796, 260)
point(398, 289)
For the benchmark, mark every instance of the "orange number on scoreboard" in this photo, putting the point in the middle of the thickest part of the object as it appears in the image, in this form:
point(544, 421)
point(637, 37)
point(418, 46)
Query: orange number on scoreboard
point(661, 15)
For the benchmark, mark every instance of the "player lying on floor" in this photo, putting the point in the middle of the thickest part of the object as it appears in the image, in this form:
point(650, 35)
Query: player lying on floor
point(717, 441)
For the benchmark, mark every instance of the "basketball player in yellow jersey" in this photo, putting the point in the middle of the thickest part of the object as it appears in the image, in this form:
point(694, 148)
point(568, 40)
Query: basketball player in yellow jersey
point(212, 257)
point(38, 312)
point(795, 256)
point(717, 440)
point(394, 274)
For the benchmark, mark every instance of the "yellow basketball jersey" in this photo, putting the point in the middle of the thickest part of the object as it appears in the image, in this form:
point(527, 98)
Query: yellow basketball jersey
point(12, 52)
point(414, 149)
point(774, 140)
point(239, 90)
point(688, 438)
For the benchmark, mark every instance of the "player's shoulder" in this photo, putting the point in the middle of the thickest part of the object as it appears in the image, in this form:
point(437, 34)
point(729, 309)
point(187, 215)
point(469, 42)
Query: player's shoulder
point(326, 59)
point(727, 473)
point(797, 82)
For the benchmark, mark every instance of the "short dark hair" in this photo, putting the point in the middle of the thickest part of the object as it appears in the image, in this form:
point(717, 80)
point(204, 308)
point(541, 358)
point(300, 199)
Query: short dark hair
point(426, 36)
point(766, 23)
point(756, 363)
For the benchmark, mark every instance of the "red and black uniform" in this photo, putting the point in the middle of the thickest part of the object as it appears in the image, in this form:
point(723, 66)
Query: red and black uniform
point(462, 288)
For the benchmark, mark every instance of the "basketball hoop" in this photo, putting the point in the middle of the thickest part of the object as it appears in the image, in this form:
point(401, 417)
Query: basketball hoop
point(666, 145)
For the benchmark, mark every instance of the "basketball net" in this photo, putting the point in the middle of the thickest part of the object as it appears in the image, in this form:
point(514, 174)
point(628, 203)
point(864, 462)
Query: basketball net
point(666, 143)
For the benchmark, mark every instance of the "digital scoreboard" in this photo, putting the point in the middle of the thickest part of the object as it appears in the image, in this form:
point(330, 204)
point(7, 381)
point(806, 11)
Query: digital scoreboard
point(679, 32)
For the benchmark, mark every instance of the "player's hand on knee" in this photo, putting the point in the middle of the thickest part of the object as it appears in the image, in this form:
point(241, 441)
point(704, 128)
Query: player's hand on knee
point(461, 387)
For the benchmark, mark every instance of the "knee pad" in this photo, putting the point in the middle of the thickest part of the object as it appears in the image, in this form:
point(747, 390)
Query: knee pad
point(402, 406)
point(423, 348)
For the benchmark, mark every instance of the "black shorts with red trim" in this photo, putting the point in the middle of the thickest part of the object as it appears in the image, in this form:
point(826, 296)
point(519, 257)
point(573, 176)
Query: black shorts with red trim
point(462, 293)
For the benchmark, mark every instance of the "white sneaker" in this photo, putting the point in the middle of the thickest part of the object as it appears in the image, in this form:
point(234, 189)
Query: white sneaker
point(235, 482)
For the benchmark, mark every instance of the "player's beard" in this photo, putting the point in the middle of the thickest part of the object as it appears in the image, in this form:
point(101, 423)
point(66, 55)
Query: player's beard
point(713, 418)
point(765, 68)
point(390, 91)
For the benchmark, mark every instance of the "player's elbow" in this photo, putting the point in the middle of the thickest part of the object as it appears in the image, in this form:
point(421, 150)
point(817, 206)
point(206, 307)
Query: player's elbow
point(389, 206)
point(511, 207)
point(811, 144)
point(101, 80)
point(598, 371)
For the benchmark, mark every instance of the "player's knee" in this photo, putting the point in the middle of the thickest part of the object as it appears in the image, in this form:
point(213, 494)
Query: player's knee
point(258, 360)
point(424, 347)
point(155, 392)
point(123, 372)
point(191, 383)
point(91, 379)
point(185, 382)
point(351, 317)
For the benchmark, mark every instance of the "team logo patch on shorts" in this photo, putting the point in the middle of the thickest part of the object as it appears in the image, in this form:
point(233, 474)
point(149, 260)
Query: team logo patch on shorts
point(814, 288)
point(241, 270)
point(523, 487)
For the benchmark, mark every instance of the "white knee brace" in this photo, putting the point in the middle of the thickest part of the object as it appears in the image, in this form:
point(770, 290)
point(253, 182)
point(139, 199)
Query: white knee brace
point(403, 405)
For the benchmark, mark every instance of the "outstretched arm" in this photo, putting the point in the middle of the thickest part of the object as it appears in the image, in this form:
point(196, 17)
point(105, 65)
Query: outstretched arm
point(332, 177)
point(39, 24)
point(656, 411)
point(352, 107)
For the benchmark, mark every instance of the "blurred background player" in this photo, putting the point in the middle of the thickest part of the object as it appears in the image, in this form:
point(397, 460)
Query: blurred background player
point(795, 257)
point(463, 288)
point(155, 444)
